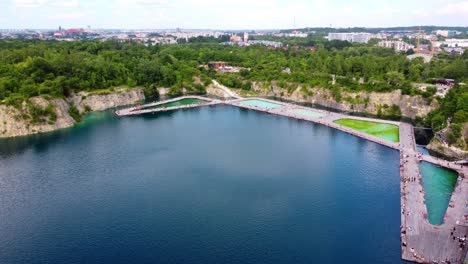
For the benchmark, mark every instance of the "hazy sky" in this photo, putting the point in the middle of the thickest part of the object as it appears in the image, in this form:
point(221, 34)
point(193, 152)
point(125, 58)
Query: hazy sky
point(235, 14)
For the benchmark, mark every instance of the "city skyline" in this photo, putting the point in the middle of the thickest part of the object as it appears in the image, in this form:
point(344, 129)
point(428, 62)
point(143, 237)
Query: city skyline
point(241, 14)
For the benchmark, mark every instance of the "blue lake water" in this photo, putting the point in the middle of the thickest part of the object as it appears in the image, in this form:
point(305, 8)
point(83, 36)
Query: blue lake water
point(209, 185)
point(423, 150)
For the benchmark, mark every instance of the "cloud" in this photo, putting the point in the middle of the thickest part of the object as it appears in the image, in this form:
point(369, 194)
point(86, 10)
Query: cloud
point(421, 13)
point(69, 3)
point(74, 15)
point(29, 3)
point(143, 2)
point(40, 3)
point(458, 8)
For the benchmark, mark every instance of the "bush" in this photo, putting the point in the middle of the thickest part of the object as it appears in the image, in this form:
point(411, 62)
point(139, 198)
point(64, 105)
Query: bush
point(50, 111)
point(151, 91)
point(75, 114)
point(87, 109)
point(40, 115)
point(247, 85)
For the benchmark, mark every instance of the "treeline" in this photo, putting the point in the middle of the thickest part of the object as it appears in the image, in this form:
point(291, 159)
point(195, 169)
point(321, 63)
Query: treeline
point(356, 67)
point(454, 109)
point(31, 68)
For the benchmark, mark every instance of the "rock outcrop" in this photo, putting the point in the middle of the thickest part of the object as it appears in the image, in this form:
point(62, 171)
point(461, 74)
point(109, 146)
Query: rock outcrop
point(16, 121)
point(99, 102)
point(457, 151)
point(363, 102)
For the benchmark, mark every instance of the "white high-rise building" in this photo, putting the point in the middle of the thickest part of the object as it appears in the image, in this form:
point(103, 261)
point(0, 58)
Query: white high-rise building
point(446, 33)
point(396, 45)
point(351, 37)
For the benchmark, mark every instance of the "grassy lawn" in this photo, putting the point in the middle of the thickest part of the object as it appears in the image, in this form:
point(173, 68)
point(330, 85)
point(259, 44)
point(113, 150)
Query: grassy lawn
point(381, 130)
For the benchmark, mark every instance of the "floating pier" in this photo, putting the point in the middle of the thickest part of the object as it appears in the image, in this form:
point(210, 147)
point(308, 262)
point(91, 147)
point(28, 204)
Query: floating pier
point(420, 241)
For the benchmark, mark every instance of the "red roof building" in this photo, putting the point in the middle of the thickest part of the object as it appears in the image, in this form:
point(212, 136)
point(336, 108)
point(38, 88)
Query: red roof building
point(75, 30)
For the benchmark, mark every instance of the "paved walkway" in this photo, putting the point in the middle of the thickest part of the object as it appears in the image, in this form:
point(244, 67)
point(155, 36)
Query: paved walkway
point(421, 241)
point(226, 90)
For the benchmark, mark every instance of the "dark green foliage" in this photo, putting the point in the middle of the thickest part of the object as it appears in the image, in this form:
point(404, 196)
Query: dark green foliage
point(31, 68)
point(247, 85)
point(57, 69)
point(151, 91)
point(394, 111)
point(455, 133)
point(38, 114)
point(454, 106)
point(75, 114)
point(87, 108)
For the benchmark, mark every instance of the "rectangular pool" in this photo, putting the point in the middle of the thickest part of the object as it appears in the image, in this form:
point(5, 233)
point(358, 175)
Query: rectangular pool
point(181, 102)
point(306, 113)
point(382, 130)
point(260, 103)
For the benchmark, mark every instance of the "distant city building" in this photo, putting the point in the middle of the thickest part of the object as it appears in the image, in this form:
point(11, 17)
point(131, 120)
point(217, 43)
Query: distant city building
point(271, 44)
point(454, 43)
point(297, 34)
point(455, 51)
point(74, 31)
point(446, 33)
point(217, 65)
point(187, 35)
point(235, 38)
point(351, 37)
point(396, 45)
point(246, 37)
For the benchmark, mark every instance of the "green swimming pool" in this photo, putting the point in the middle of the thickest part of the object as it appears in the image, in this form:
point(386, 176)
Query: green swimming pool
point(438, 184)
point(260, 103)
point(185, 101)
point(381, 130)
point(306, 113)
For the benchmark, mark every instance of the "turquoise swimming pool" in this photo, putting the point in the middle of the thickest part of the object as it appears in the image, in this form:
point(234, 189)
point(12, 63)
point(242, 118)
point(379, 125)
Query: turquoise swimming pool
point(438, 184)
point(306, 113)
point(260, 103)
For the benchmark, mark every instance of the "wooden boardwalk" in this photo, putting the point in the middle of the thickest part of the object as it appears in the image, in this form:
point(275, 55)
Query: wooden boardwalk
point(421, 241)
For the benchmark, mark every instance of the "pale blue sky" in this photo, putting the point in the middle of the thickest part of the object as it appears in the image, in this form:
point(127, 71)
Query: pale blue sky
point(235, 14)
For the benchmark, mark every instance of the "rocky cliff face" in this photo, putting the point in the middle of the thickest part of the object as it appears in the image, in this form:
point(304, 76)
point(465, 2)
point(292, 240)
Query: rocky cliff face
point(100, 102)
point(18, 122)
point(457, 151)
point(410, 106)
point(212, 90)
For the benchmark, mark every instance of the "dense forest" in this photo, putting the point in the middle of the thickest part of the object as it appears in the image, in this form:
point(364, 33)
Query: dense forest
point(58, 69)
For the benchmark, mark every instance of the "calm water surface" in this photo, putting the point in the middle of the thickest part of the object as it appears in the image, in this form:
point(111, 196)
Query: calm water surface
point(210, 185)
point(439, 184)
